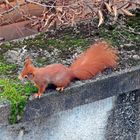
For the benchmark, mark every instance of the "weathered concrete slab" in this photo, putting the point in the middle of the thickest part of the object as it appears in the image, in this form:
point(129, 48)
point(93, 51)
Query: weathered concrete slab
point(85, 92)
point(124, 119)
point(10, 32)
point(4, 112)
point(85, 122)
point(107, 119)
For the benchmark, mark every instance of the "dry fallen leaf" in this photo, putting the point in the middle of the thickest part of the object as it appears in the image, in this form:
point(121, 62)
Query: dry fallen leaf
point(114, 8)
point(101, 19)
point(126, 12)
point(59, 9)
point(108, 7)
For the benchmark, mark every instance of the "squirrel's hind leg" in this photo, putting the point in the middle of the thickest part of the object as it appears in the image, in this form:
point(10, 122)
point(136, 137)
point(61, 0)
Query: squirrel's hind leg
point(60, 89)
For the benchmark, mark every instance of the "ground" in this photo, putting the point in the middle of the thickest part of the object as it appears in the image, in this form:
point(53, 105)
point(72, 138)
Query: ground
point(62, 46)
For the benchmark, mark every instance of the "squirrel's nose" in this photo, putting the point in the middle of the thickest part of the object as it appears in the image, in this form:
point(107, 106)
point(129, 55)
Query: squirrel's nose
point(20, 77)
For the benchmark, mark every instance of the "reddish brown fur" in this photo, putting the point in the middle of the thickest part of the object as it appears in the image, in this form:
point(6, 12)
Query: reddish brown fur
point(97, 58)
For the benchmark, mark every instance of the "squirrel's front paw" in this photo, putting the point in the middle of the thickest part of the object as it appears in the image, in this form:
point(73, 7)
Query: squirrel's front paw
point(37, 95)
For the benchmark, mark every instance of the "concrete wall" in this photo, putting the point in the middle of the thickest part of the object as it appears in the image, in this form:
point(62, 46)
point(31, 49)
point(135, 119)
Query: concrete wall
point(116, 118)
point(86, 122)
point(4, 112)
point(124, 118)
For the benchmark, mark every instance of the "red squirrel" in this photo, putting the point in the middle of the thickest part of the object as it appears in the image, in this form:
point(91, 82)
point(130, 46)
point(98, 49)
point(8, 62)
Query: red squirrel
point(94, 60)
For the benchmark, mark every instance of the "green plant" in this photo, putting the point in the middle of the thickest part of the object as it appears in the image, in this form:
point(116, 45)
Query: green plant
point(17, 94)
point(6, 68)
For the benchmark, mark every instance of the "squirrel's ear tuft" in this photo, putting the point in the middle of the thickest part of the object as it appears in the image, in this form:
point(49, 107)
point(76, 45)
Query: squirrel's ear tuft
point(27, 60)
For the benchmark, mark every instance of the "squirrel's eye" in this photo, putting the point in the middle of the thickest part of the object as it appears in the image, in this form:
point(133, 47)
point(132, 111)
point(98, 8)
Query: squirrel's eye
point(29, 74)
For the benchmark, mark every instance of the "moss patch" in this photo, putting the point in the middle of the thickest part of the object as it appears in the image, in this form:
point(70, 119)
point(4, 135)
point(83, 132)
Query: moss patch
point(7, 69)
point(17, 94)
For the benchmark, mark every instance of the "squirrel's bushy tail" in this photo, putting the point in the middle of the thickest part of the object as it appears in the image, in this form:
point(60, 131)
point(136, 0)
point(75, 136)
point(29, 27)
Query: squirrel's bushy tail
point(94, 60)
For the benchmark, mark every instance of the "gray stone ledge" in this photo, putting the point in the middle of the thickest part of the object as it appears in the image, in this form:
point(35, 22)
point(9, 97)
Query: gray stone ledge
point(85, 92)
point(4, 112)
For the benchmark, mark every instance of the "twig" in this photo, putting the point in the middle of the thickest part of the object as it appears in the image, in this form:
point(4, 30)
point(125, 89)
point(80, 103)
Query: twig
point(122, 6)
point(136, 3)
point(136, 33)
point(12, 9)
point(130, 30)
